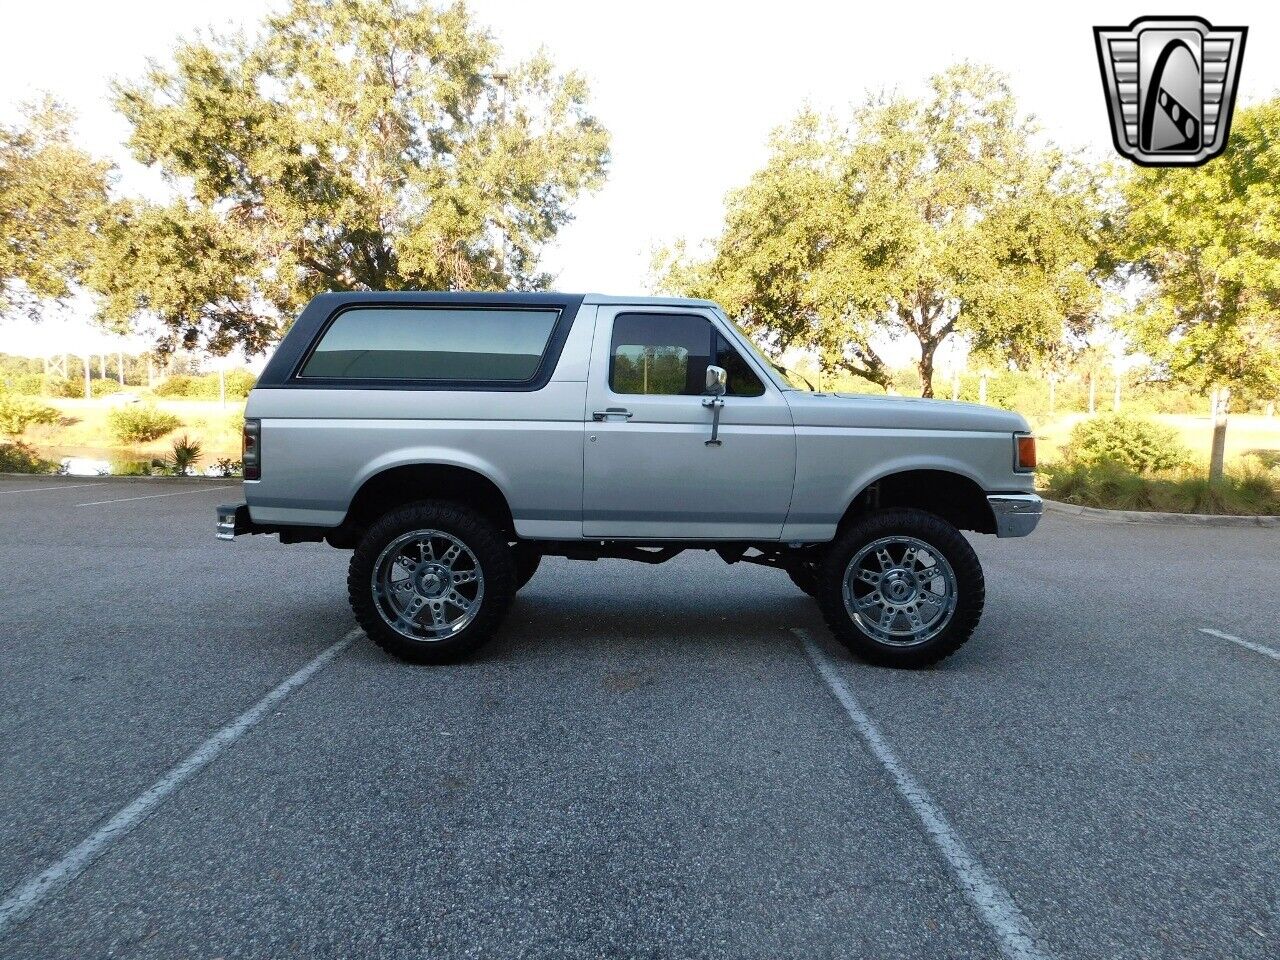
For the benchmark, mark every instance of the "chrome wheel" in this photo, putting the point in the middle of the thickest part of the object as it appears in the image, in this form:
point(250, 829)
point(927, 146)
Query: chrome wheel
point(427, 585)
point(900, 591)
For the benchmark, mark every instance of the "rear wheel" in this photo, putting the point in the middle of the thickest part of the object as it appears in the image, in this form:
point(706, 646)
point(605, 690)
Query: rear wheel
point(430, 582)
point(805, 576)
point(901, 588)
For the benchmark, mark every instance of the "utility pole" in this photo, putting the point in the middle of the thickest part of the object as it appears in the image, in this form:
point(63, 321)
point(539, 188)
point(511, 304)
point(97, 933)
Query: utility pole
point(120, 365)
point(88, 377)
point(982, 387)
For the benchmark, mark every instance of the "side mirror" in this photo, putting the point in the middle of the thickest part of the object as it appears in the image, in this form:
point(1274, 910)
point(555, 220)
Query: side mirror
point(717, 381)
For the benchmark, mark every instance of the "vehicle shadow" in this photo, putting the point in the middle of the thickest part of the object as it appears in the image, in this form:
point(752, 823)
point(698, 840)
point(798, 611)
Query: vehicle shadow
point(625, 607)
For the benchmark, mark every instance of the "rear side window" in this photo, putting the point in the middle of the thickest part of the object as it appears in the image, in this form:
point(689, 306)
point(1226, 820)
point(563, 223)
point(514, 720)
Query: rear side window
point(432, 343)
point(668, 353)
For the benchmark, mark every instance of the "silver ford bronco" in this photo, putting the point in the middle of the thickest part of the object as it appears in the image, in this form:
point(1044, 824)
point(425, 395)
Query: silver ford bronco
point(451, 440)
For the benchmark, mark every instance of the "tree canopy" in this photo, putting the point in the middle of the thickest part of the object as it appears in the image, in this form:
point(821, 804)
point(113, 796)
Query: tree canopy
point(52, 196)
point(924, 218)
point(354, 144)
point(1207, 242)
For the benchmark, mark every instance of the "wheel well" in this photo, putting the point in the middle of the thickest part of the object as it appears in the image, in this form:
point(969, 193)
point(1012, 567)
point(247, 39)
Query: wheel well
point(953, 497)
point(427, 481)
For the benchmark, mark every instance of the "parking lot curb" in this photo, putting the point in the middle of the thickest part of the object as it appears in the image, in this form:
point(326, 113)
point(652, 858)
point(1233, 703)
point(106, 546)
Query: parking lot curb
point(1150, 516)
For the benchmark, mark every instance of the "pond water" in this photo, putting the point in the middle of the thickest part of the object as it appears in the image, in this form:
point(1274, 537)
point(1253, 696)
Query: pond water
point(112, 461)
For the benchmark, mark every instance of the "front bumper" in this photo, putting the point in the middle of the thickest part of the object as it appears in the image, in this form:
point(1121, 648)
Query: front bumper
point(1016, 513)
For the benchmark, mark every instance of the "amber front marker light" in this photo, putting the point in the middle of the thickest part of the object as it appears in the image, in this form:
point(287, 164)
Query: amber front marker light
point(1024, 452)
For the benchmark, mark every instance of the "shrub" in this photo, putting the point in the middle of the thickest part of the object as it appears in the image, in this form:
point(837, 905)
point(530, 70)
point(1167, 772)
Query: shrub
point(62, 387)
point(1126, 440)
point(179, 385)
point(1148, 398)
point(226, 468)
point(19, 458)
point(29, 384)
point(140, 423)
point(102, 388)
point(18, 413)
point(239, 383)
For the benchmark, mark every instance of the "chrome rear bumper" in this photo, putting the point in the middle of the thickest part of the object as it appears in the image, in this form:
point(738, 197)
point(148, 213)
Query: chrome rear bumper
point(233, 520)
point(1016, 513)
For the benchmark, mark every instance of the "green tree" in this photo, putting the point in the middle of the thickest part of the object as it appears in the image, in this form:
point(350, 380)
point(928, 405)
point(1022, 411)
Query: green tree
point(1207, 242)
point(354, 144)
point(51, 197)
point(928, 218)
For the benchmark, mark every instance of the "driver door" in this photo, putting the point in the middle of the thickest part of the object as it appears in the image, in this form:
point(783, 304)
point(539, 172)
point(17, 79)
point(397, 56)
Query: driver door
point(649, 470)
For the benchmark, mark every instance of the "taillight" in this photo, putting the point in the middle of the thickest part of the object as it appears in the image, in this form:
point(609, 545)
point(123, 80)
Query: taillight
point(1024, 452)
point(251, 450)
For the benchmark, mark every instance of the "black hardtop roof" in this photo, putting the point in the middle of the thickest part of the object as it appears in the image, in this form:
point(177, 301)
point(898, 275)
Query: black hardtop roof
point(316, 315)
point(534, 298)
point(446, 296)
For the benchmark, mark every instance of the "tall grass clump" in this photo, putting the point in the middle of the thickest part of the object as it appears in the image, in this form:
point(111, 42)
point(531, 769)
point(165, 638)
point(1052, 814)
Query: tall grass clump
point(1248, 488)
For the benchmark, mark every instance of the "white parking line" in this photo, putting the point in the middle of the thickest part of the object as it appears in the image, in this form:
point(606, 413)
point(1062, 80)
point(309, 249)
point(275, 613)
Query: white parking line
point(153, 496)
point(1247, 644)
point(1013, 933)
point(28, 895)
point(42, 489)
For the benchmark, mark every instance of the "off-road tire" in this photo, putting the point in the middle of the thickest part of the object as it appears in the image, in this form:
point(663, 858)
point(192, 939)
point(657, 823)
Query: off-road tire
point(527, 557)
point(805, 576)
point(939, 535)
point(480, 536)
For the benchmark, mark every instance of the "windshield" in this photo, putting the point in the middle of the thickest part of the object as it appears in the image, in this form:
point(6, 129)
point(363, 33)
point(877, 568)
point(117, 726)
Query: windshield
point(786, 379)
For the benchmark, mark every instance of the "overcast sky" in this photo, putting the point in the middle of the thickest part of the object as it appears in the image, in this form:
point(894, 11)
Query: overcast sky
point(689, 89)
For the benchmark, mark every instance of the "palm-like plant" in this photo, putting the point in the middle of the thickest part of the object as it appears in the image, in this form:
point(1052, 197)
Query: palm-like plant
point(186, 453)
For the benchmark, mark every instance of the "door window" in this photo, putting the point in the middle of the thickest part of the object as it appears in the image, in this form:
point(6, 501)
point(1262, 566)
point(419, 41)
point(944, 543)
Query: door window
point(742, 381)
point(668, 354)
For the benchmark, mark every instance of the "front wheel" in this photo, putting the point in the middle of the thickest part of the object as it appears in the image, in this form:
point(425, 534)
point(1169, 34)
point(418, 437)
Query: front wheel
point(901, 588)
point(527, 558)
point(430, 582)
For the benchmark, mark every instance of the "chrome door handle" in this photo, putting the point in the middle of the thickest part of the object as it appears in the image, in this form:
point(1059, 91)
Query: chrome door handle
point(611, 412)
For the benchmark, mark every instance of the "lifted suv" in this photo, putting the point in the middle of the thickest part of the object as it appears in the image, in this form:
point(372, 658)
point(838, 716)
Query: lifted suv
point(453, 440)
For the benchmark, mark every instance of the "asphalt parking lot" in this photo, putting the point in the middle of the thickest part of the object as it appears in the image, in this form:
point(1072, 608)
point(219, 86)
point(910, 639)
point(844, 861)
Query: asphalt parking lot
point(668, 761)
